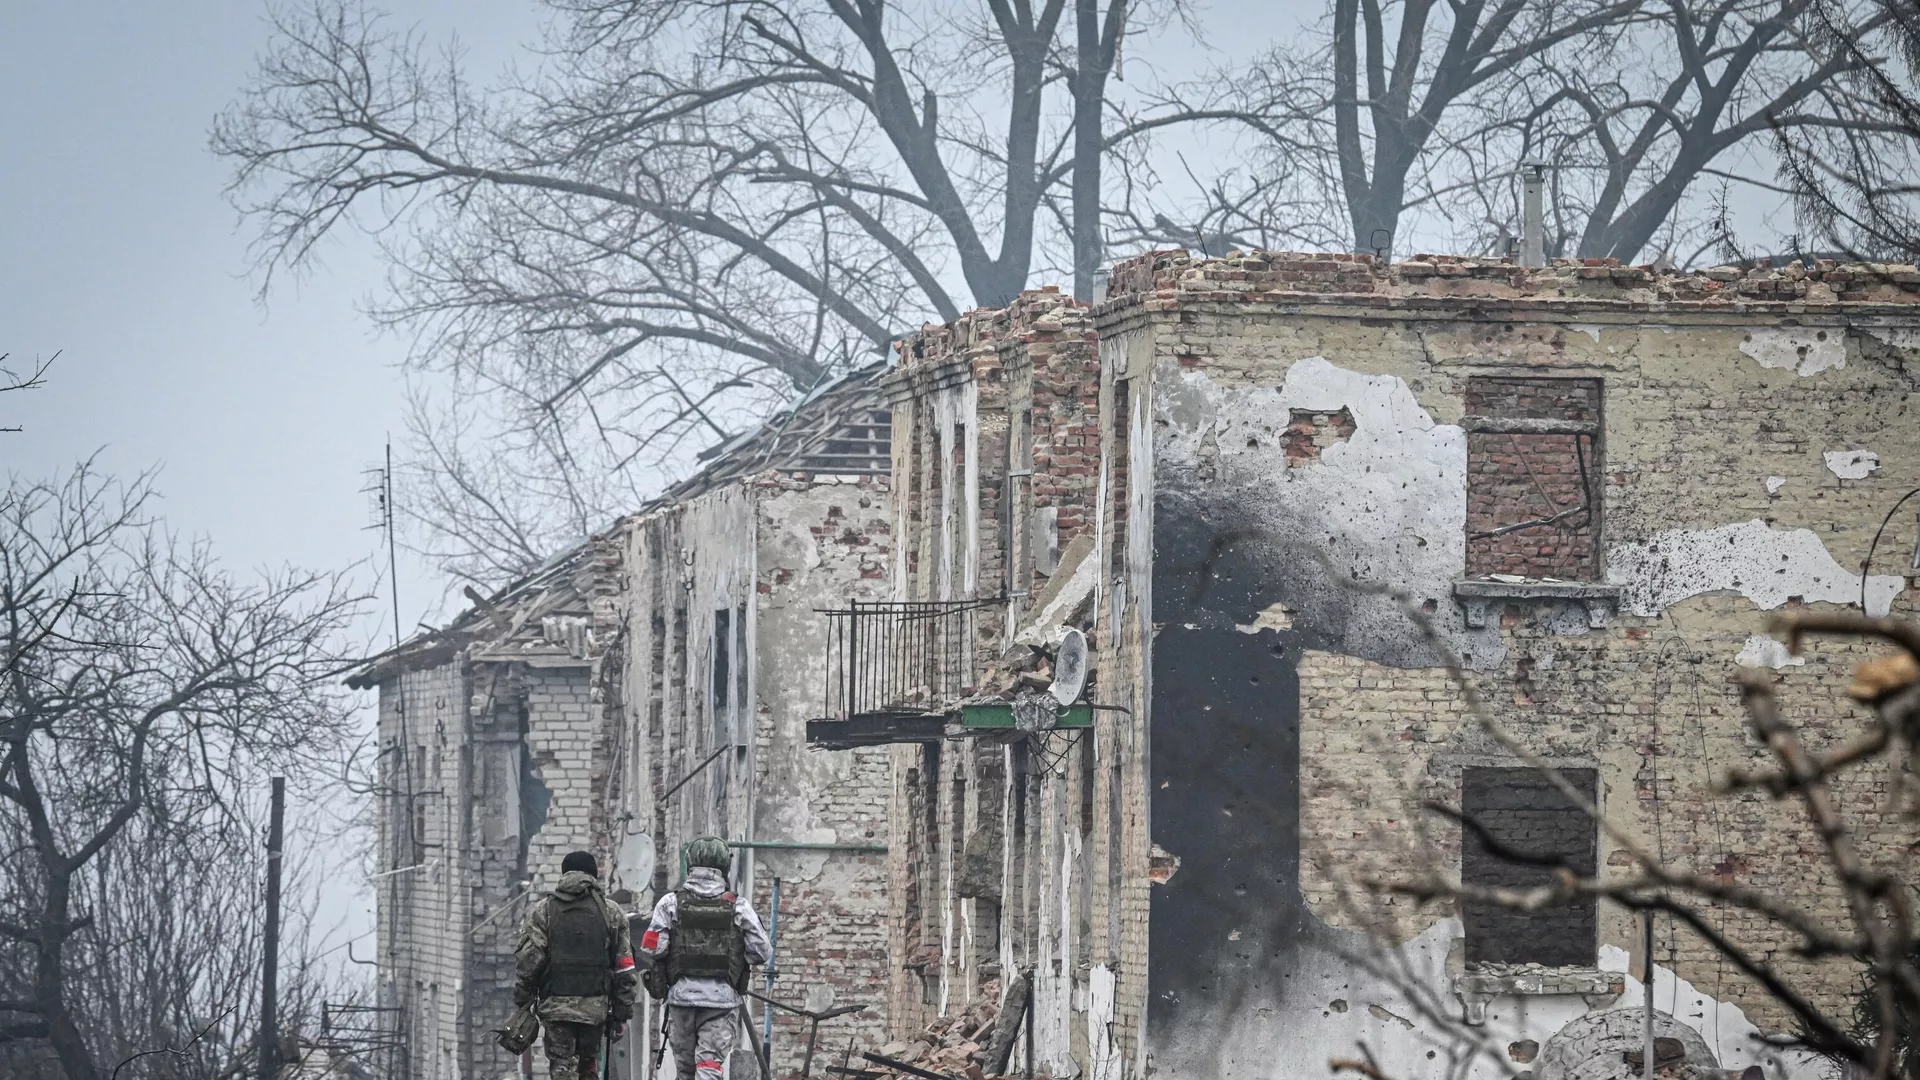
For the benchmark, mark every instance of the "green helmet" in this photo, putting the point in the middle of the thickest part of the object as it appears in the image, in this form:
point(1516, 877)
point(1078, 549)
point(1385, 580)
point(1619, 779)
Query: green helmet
point(710, 851)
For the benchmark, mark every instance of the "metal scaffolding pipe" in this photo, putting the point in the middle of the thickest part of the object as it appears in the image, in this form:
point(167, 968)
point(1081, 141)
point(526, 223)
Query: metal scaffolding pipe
point(799, 845)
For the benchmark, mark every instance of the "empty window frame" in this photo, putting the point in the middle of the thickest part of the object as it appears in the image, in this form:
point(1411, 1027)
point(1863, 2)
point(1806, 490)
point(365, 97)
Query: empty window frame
point(1535, 466)
point(727, 692)
point(1530, 830)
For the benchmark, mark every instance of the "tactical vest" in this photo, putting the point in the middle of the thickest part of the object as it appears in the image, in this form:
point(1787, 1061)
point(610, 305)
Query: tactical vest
point(705, 943)
point(577, 946)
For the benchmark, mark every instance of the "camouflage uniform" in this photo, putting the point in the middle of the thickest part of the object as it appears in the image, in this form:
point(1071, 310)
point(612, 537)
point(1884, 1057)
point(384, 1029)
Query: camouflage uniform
point(571, 1024)
point(701, 1011)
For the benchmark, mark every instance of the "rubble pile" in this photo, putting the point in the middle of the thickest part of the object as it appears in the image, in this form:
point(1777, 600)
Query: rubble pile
point(953, 1046)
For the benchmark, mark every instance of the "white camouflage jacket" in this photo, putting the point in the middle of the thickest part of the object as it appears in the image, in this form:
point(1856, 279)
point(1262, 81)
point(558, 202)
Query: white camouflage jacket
point(704, 993)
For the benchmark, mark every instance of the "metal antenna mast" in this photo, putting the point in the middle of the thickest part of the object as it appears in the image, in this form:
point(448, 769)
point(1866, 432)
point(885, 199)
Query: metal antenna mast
point(379, 490)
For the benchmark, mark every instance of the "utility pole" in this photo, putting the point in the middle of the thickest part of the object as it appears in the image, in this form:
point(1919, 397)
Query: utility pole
point(1646, 988)
point(270, 975)
point(393, 560)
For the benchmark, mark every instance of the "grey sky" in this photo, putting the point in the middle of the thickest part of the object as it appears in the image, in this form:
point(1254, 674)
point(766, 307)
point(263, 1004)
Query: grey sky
point(120, 253)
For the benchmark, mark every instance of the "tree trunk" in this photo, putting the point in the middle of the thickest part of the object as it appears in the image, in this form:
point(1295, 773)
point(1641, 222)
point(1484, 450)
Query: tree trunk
point(1376, 220)
point(1089, 94)
point(50, 982)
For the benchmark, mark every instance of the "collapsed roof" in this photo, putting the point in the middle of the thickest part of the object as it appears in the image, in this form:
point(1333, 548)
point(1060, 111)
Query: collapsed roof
point(840, 427)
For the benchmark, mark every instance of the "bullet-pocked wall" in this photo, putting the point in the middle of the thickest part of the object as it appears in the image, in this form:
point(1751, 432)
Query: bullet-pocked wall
point(1584, 487)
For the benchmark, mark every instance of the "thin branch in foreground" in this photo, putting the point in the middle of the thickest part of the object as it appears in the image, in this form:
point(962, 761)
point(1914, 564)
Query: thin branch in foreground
point(177, 1051)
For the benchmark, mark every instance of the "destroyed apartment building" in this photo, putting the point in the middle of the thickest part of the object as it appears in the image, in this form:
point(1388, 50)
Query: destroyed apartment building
point(646, 687)
point(1180, 588)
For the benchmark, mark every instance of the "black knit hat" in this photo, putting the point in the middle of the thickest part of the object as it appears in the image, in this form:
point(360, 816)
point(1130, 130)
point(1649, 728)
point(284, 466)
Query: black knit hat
point(582, 861)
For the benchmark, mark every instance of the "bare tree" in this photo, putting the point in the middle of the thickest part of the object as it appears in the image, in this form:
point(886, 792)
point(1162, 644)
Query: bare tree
point(147, 691)
point(1415, 117)
point(166, 978)
point(29, 380)
point(692, 210)
point(1856, 196)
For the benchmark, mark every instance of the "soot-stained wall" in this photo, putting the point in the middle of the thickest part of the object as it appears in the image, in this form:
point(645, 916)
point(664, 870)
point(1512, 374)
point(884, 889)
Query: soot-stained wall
point(1225, 778)
point(1311, 469)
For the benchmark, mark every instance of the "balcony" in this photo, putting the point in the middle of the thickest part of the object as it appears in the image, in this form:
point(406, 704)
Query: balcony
point(904, 671)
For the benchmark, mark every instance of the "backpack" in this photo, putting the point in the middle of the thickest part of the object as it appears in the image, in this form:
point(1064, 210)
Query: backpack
point(577, 944)
point(705, 942)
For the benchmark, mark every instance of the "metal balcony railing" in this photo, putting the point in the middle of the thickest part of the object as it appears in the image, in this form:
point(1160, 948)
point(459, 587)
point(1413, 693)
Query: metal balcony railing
point(900, 657)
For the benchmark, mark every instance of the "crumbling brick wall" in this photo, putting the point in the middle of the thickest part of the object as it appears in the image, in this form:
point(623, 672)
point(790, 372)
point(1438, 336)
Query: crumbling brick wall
point(508, 765)
point(1514, 478)
point(833, 905)
point(1656, 712)
point(769, 550)
point(1013, 855)
point(419, 946)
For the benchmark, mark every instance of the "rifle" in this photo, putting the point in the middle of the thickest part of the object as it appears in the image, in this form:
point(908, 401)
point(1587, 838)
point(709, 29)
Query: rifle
point(660, 1047)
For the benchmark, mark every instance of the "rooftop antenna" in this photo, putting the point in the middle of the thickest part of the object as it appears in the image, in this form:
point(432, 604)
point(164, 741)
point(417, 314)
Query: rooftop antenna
point(379, 492)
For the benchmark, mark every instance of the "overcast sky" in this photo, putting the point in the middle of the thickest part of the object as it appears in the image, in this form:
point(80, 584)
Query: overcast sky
point(121, 255)
point(118, 252)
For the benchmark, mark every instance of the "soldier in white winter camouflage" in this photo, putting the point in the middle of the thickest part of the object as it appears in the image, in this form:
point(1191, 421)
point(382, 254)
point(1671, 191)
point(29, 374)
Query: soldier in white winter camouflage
point(704, 940)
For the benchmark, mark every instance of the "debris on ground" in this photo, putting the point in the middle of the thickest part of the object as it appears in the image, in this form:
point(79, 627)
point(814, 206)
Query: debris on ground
point(952, 1047)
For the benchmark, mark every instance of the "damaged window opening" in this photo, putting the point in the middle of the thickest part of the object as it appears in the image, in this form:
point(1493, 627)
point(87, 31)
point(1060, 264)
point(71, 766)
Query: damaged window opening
point(1020, 514)
point(722, 645)
point(1083, 873)
point(1534, 467)
point(741, 664)
point(720, 693)
point(910, 896)
point(1527, 830)
point(927, 955)
point(863, 444)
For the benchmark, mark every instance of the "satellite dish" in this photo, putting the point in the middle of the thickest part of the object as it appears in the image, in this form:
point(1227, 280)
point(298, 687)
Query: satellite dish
point(1070, 668)
point(634, 860)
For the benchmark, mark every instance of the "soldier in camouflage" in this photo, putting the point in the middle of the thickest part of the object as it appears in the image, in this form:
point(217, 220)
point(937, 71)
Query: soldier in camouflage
point(704, 939)
point(575, 959)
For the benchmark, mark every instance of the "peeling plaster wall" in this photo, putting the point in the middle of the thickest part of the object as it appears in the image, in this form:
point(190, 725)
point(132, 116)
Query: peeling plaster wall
point(821, 543)
point(423, 961)
point(1768, 566)
point(1299, 713)
point(1350, 992)
point(686, 563)
point(1386, 505)
point(770, 550)
point(1803, 351)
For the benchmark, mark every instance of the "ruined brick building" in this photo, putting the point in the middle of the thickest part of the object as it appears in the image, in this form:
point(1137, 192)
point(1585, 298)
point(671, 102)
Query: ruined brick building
point(1282, 500)
point(648, 686)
